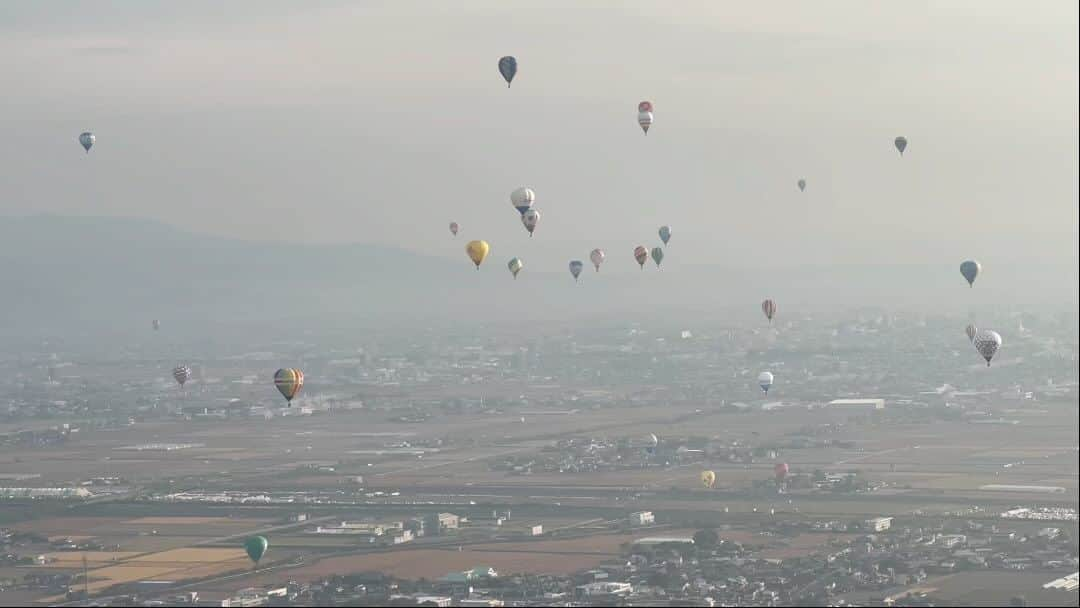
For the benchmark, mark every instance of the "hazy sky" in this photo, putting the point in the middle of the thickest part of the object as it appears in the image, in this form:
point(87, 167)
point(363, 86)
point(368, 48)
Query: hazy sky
point(382, 121)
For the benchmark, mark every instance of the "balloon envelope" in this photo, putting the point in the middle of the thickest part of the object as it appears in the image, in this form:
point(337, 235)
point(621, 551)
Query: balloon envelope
point(781, 470)
point(802, 185)
point(987, 342)
point(575, 268)
point(769, 308)
point(522, 199)
point(87, 140)
point(657, 255)
point(901, 144)
point(454, 228)
point(477, 251)
point(156, 324)
point(645, 120)
point(970, 269)
point(515, 265)
point(597, 258)
point(256, 547)
point(641, 254)
point(765, 380)
point(665, 234)
point(508, 68)
point(708, 479)
point(181, 373)
point(289, 381)
point(971, 330)
point(530, 219)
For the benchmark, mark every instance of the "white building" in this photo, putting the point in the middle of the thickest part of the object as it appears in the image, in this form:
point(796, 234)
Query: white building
point(878, 524)
point(642, 518)
point(869, 404)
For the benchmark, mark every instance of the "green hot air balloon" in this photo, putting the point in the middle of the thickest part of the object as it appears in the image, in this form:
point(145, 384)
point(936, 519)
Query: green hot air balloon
point(256, 547)
point(657, 255)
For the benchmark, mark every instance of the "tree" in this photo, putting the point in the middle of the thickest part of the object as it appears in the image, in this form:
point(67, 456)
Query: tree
point(706, 539)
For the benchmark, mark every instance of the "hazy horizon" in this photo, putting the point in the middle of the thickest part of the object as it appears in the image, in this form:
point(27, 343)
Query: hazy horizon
point(381, 122)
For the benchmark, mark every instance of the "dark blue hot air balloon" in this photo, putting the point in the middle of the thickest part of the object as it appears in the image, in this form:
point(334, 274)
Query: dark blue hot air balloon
point(970, 269)
point(508, 68)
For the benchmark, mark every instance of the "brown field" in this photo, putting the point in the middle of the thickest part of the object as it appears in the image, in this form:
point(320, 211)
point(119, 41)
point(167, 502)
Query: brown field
point(64, 526)
point(175, 564)
point(190, 521)
point(73, 559)
point(552, 557)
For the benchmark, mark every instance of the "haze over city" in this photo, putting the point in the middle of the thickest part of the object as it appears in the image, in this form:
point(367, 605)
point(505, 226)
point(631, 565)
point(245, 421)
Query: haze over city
point(243, 361)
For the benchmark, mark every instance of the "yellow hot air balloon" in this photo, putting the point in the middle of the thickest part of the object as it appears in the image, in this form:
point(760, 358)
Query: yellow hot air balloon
point(708, 479)
point(477, 251)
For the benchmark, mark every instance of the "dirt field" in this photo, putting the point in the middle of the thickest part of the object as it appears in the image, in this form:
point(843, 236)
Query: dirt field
point(175, 564)
point(553, 557)
point(191, 521)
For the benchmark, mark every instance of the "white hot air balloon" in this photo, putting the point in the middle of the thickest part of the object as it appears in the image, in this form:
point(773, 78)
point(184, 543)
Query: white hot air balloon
point(987, 342)
point(765, 381)
point(971, 330)
point(530, 219)
point(522, 199)
point(597, 258)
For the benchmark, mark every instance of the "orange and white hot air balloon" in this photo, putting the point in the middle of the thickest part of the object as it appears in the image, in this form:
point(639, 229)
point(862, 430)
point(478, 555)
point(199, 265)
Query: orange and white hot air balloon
point(289, 381)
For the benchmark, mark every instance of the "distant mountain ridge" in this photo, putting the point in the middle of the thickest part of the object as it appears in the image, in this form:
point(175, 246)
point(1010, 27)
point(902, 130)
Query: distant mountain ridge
point(61, 270)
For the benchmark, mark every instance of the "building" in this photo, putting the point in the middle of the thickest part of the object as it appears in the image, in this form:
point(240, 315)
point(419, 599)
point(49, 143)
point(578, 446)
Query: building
point(663, 540)
point(878, 524)
point(951, 540)
point(440, 522)
point(642, 518)
point(859, 404)
point(38, 493)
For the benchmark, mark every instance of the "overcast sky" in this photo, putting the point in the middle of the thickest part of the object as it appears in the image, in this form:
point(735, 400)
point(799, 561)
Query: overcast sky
point(383, 121)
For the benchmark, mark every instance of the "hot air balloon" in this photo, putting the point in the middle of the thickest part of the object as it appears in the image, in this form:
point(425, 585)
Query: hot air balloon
point(289, 381)
point(529, 219)
point(155, 324)
point(508, 68)
point(522, 199)
point(256, 547)
point(987, 343)
point(641, 254)
point(781, 471)
point(901, 144)
point(87, 140)
point(454, 228)
point(575, 268)
point(597, 258)
point(802, 185)
point(765, 380)
point(477, 251)
point(515, 265)
point(665, 234)
point(708, 479)
point(657, 255)
point(644, 115)
point(971, 330)
point(182, 374)
point(769, 308)
point(970, 269)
